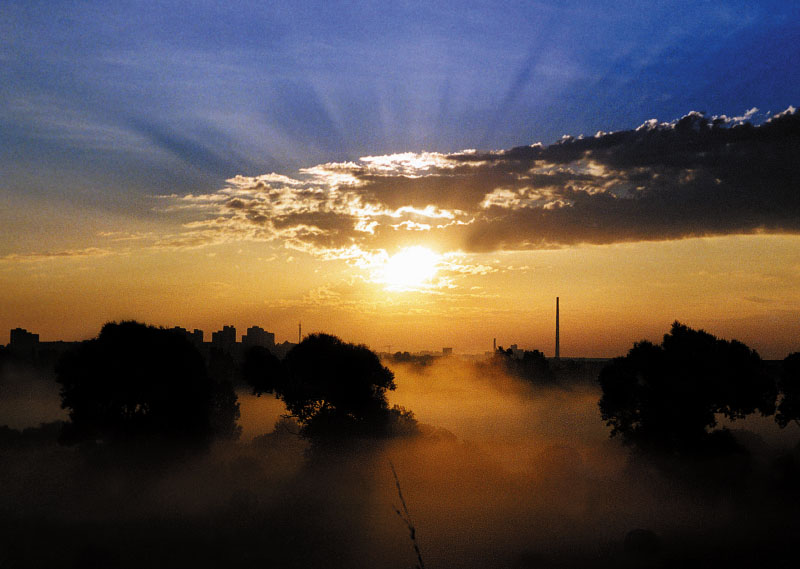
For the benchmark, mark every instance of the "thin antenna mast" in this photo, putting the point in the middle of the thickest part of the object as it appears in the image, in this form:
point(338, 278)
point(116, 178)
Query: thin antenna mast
point(558, 346)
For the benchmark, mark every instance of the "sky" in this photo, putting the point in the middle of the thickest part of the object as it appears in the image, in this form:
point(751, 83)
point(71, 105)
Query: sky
point(410, 176)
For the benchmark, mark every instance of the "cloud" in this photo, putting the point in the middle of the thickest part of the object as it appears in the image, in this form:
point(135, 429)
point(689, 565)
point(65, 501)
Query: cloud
point(119, 236)
point(694, 176)
point(50, 255)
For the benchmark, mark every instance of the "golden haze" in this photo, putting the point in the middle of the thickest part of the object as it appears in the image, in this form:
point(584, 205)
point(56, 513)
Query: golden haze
point(740, 287)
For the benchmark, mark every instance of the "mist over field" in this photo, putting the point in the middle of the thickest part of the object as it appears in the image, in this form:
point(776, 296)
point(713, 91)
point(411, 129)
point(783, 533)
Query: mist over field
point(28, 396)
point(505, 473)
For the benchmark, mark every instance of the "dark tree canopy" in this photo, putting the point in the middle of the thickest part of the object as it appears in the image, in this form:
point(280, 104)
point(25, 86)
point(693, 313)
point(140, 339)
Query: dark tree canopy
point(789, 383)
point(666, 398)
point(532, 366)
point(333, 388)
point(139, 384)
point(262, 370)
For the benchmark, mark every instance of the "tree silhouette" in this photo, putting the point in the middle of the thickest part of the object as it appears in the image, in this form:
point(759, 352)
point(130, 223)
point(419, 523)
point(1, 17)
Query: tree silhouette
point(334, 389)
point(263, 371)
point(532, 366)
point(666, 398)
point(789, 384)
point(139, 384)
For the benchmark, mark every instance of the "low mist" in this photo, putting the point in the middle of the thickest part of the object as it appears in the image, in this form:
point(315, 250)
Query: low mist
point(29, 396)
point(512, 420)
point(526, 475)
point(505, 473)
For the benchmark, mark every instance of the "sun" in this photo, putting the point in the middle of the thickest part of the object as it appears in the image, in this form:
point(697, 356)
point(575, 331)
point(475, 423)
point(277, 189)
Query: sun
point(410, 268)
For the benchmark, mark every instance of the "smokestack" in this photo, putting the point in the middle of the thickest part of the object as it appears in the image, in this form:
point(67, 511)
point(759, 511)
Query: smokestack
point(558, 346)
point(299, 332)
point(494, 344)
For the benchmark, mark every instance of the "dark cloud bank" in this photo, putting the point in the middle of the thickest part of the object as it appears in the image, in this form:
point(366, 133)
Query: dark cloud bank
point(696, 176)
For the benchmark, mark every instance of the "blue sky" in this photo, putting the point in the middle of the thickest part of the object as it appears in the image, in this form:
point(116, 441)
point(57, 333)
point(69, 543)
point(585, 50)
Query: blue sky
point(108, 101)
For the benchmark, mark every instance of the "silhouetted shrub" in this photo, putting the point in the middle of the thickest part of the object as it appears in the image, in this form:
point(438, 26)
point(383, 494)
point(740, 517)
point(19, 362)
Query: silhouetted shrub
point(262, 370)
point(415, 360)
point(666, 398)
point(31, 437)
point(642, 542)
point(335, 390)
point(789, 384)
point(139, 384)
point(532, 366)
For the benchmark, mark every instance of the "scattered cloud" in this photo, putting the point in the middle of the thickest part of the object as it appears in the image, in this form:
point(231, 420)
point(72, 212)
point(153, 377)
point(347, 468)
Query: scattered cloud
point(759, 300)
point(119, 236)
point(62, 254)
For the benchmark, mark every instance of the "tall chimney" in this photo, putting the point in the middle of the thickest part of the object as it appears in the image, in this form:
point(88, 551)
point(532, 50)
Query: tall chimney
point(494, 343)
point(299, 332)
point(558, 346)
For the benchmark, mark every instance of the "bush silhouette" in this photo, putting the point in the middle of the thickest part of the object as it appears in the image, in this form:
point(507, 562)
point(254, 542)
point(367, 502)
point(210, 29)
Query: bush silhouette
point(532, 366)
point(335, 390)
point(789, 383)
point(139, 384)
point(262, 370)
point(666, 398)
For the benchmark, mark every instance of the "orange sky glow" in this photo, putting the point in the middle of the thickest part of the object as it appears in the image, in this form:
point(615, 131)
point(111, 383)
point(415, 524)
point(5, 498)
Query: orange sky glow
point(611, 295)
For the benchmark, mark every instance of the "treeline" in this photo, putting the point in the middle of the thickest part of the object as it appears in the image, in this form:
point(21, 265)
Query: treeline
point(149, 389)
point(669, 398)
point(135, 384)
point(137, 485)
